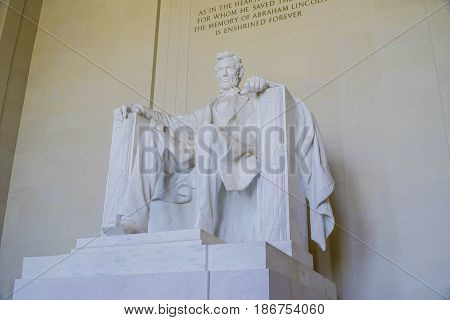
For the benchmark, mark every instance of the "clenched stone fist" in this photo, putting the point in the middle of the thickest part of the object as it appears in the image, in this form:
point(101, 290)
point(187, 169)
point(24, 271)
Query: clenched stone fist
point(254, 84)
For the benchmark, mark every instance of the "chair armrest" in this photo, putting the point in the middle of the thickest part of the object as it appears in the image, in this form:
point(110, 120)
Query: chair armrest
point(123, 150)
point(281, 203)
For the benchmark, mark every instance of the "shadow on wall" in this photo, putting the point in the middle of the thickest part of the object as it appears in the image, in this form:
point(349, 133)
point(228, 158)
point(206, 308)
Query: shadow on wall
point(18, 34)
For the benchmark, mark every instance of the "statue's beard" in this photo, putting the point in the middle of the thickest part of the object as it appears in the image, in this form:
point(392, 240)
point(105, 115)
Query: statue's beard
point(225, 85)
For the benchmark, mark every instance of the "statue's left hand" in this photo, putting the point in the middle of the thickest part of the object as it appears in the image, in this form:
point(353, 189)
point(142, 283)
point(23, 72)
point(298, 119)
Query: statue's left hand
point(254, 84)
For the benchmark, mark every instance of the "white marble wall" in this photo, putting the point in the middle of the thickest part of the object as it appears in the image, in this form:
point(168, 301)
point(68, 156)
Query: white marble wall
point(59, 175)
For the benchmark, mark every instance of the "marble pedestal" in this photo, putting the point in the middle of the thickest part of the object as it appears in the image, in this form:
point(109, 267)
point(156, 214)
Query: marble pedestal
point(185, 264)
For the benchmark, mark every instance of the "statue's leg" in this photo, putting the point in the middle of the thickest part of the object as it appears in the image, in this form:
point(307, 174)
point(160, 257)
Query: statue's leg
point(208, 180)
point(134, 207)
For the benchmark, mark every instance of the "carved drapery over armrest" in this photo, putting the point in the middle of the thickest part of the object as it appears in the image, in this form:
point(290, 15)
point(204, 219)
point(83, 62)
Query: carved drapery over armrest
point(298, 148)
point(281, 202)
point(125, 139)
point(123, 148)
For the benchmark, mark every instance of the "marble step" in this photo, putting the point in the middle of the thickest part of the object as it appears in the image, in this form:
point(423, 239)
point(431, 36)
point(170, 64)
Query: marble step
point(257, 284)
point(189, 236)
point(287, 247)
point(174, 238)
point(295, 251)
point(133, 260)
point(253, 255)
point(145, 260)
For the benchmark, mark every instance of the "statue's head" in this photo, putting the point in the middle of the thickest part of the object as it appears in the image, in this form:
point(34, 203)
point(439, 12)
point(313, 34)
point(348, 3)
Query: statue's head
point(229, 70)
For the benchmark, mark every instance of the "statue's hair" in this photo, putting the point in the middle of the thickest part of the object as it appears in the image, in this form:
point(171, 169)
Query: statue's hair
point(239, 64)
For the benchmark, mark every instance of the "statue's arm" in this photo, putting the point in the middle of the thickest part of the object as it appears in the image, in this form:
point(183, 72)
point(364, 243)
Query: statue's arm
point(157, 119)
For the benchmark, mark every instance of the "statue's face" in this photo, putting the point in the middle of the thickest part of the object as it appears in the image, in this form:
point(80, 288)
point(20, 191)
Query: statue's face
point(227, 73)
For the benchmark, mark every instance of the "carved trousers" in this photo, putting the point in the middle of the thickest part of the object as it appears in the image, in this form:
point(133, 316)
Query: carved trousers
point(218, 159)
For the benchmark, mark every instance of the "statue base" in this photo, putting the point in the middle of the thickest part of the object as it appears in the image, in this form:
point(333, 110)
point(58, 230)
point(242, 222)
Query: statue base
point(174, 265)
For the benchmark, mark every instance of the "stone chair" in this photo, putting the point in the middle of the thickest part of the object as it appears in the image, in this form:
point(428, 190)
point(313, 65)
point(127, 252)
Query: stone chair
point(273, 208)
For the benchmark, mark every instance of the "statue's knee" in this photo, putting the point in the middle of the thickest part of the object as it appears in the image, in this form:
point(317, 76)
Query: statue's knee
point(151, 137)
point(150, 133)
point(207, 135)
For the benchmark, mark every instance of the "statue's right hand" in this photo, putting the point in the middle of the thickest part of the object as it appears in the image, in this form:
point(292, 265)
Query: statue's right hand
point(122, 112)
